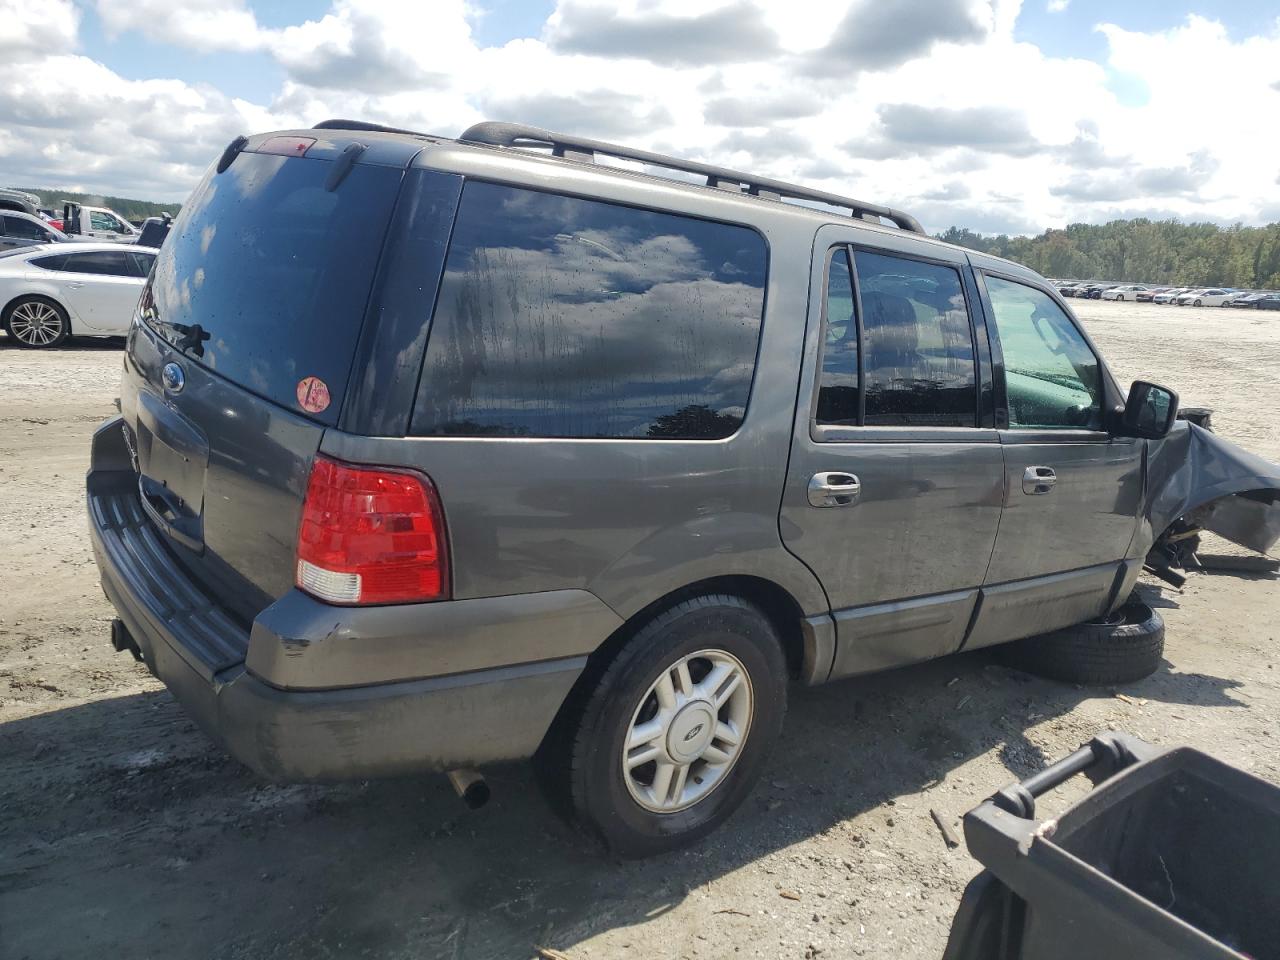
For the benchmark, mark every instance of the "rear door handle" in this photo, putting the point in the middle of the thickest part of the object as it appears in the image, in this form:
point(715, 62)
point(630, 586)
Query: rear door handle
point(1038, 480)
point(834, 489)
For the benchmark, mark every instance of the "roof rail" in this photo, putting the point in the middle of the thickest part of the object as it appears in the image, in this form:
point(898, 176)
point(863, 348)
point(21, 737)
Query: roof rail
point(579, 148)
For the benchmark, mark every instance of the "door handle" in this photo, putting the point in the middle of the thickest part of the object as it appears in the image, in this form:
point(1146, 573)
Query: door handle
point(1038, 480)
point(834, 489)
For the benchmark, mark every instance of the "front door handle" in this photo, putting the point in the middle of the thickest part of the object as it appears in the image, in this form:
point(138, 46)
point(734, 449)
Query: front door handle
point(1038, 480)
point(834, 489)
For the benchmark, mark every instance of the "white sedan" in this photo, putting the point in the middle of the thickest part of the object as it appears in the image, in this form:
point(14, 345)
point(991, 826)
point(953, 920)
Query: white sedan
point(54, 291)
point(1209, 297)
point(1127, 292)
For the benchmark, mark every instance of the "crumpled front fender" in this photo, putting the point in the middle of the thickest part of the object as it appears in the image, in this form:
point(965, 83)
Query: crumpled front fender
point(1196, 474)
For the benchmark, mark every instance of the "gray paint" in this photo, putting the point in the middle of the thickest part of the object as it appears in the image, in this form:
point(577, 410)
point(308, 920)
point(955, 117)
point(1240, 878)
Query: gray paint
point(889, 634)
point(556, 543)
point(1089, 516)
point(300, 643)
point(1010, 611)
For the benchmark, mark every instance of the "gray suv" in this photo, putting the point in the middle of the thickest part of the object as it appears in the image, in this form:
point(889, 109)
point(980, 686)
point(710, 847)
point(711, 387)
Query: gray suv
point(434, 453)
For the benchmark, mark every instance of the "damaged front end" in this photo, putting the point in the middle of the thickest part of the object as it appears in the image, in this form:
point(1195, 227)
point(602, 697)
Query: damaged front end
point(1197, 481)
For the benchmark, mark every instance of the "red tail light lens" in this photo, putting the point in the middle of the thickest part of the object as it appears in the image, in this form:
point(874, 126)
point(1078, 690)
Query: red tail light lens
point(371, 535)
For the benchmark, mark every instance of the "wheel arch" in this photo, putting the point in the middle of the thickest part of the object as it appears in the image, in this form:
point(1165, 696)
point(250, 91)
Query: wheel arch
point(776, 603)
point(72, 320)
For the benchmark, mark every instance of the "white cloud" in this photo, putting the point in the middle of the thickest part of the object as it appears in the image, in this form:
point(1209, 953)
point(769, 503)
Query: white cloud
point(934, 107)
point(31, 27)
point(1057, 6)
point(196, 24)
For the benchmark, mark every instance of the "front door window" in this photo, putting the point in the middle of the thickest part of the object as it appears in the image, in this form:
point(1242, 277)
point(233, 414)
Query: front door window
point(1053, 378)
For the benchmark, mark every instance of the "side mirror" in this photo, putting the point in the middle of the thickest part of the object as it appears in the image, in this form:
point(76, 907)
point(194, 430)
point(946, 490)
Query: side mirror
point(1149, 412)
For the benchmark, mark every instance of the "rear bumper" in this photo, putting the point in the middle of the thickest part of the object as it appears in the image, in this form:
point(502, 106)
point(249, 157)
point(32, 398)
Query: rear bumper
point(313, 692)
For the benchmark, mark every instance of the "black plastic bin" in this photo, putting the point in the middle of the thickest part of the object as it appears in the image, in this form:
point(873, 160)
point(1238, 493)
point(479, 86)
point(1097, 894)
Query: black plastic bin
point(1173, 855)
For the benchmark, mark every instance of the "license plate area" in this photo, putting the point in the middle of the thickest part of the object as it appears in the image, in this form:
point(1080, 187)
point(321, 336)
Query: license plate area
point(173, 459)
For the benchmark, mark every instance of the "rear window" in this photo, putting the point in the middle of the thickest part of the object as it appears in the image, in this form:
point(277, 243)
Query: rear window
point(563, 317)
point(265, 275)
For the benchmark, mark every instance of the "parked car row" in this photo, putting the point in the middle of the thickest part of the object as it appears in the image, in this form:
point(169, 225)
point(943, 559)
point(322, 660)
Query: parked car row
point(1180, 296)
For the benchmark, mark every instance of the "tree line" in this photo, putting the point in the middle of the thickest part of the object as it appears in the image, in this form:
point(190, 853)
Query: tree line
point(1147, 251)
point(53, 197)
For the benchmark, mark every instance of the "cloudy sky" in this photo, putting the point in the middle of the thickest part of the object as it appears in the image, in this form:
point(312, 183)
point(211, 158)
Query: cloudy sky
point(997, 115)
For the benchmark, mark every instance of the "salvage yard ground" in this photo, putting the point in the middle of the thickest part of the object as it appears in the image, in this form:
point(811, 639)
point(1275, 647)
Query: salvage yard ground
point(124, 833)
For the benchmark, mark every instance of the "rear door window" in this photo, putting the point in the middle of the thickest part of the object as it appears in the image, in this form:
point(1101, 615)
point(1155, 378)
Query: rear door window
point(266, 274)
point(916, 346)
point(103, 263)
point(562, 317)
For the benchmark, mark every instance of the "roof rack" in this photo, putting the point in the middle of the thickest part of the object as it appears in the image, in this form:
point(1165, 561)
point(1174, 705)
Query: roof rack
point(579, 148)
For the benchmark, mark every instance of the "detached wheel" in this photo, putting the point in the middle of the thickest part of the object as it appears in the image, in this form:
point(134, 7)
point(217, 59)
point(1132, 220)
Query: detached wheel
point(675, 731)
point(33, 322)
point(1125, 646)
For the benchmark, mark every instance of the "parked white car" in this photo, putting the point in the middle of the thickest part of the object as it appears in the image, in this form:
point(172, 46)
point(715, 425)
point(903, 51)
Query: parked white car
point(54, 291)
point(1169, 296)
point(1207, 297)
point(1126, 292)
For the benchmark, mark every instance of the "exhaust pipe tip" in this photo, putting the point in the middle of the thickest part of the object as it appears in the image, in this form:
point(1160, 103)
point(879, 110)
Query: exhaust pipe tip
point(471, 787)
point(122, 640)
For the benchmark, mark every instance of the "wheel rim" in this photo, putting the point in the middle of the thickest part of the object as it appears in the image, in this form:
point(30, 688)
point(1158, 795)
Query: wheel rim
point(688, 731)
point(34, 323)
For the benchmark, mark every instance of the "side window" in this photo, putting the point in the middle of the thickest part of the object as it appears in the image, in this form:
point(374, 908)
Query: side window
point(838, 388)
point(49, 263)
point(562, 317)
point(24, 229)
point(919, 359)
point(104, 222)
point(105, 263)
point(1052, 377)
point(139, 264)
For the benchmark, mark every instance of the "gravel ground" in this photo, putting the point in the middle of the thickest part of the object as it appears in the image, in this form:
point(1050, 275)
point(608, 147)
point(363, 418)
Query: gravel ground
point(125, 833)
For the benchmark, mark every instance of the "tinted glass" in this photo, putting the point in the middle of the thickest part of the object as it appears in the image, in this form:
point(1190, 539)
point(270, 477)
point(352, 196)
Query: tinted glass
point(1052, 376)
point(102, 263)
point(838, 391)
point(560, 317)
point(57, 262)
point(139, 263)
point(919, 359)
point(25, 229)
point(265, 275)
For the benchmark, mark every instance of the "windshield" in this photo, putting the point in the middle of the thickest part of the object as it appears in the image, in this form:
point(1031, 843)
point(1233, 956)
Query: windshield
point(265, 275)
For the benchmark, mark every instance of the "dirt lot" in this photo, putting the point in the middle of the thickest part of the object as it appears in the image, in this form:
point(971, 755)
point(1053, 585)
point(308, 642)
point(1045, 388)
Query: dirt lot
point(125, 834)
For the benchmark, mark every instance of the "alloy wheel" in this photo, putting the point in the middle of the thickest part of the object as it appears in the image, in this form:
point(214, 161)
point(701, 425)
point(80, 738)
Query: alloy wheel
point(35, 323)
point(688, 731)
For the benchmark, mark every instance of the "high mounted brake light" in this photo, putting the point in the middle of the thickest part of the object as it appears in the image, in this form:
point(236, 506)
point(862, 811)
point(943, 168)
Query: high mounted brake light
point(371, 535)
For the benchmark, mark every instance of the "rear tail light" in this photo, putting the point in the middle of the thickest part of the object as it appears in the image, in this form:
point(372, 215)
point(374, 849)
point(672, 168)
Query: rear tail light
point(371, 535)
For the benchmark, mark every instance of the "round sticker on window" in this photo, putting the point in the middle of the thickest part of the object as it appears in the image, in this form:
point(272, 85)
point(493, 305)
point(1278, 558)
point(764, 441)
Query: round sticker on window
point(313, 394)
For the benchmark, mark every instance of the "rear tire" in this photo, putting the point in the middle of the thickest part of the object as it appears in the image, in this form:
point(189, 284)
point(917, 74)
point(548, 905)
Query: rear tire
point(1126, 646)
point(697, 677)
point(36, 323)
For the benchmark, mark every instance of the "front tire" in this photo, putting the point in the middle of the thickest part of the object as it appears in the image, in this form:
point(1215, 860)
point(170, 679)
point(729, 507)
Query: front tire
point(1198, 303)
point(36, 323)
point(1120, 299)
point(675, 731)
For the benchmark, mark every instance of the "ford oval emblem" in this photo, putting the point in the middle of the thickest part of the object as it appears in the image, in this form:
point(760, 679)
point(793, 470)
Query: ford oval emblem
point(173, 377)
